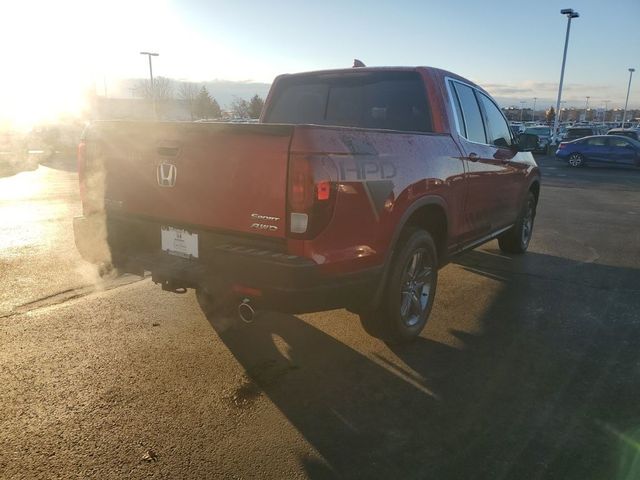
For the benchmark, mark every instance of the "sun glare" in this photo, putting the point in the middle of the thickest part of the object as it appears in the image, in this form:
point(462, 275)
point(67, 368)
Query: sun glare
point(57, 53)
point(40, 80)
point(60, 54)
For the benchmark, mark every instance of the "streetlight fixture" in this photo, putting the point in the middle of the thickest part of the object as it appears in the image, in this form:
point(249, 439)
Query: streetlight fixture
point(533, 112)
point(624, 115)
point(153, 93)
point(569, 13)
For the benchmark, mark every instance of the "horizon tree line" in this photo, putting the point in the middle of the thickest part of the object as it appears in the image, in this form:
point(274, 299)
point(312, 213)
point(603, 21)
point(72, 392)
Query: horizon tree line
point(200, 103)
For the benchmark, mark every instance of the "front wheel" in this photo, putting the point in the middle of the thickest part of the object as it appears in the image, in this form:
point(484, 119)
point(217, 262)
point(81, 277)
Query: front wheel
point(409, 293)
point(517, 238)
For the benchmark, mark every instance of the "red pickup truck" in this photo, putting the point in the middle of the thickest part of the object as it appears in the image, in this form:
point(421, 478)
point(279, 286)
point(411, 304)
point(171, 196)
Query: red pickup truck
point(353, 190)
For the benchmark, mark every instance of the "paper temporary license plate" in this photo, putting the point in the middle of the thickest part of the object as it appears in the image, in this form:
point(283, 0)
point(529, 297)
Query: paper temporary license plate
point(176, 241)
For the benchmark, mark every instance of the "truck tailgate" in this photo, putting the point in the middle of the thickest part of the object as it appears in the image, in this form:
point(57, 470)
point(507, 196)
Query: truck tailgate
point(230, 177)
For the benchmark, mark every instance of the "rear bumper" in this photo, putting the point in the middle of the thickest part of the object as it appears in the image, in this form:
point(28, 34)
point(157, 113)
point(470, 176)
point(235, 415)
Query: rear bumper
point(227, 264)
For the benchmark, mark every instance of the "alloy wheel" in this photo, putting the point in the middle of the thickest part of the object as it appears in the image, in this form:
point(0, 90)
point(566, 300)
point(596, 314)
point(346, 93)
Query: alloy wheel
point(575, 160)
point(527, 225)
point(416, 288)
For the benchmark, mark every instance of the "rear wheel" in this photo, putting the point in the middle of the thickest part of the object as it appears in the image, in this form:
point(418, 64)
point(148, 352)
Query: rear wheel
point(409, 293)
point(576, 160)
point(517, 238)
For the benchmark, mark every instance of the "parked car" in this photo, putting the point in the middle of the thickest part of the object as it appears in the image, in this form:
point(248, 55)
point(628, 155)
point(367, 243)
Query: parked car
point(625, 132)
point(353, 190)
point(611, 149)
point(543, 133)
point(574, 133)
point(517, 128)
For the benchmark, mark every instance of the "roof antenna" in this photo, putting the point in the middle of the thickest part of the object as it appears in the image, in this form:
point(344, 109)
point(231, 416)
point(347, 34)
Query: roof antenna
point(358, 63)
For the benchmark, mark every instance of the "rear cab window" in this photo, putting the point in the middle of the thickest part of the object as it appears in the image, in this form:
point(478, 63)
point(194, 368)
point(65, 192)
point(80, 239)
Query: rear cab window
point(378, 100)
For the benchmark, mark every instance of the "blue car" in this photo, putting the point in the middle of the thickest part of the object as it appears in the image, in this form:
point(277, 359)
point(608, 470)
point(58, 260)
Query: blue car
point(606, 149)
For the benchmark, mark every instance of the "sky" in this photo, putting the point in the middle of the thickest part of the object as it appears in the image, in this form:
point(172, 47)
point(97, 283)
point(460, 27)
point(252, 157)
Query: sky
point(54, 51)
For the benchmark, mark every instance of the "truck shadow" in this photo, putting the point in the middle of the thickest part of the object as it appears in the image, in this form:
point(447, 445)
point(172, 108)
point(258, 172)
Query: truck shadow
point(549, 388)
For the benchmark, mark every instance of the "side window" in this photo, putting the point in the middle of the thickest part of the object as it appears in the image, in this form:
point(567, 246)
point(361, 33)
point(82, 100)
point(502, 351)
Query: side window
point(618, 142)
point(597, 141)
point(498, 130)
point(471, 112)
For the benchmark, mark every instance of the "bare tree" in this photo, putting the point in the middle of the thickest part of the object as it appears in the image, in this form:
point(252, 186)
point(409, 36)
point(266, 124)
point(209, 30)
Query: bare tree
point(162, 89)
point(240, 108)
point(188, 92)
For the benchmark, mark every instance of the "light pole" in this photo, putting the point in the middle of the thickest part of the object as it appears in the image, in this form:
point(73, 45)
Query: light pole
point(559, 112)
point(522, 102)
point(569, 14)
point(533, 112)
point(153, 92)
point(586, 108)
point(624, 115)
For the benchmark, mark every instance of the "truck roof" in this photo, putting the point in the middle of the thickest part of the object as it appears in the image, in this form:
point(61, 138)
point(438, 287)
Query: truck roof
point(424, 70)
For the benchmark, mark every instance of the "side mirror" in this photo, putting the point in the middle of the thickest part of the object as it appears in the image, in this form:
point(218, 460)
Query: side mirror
point(527, 142)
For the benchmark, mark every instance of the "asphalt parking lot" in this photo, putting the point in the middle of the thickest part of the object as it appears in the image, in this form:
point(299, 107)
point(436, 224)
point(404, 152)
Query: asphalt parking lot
point(528, 369)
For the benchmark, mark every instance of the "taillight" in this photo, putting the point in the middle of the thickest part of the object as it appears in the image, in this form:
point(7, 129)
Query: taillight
point(323, 191)
point(562, 145)
point(311, 197)
point(300, 184)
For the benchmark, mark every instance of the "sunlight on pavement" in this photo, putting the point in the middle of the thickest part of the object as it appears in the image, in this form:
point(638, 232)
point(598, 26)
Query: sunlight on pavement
point(31, 205)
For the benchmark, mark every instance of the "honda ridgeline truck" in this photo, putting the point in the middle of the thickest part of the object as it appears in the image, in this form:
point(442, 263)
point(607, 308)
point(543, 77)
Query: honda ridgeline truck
point(354, 188)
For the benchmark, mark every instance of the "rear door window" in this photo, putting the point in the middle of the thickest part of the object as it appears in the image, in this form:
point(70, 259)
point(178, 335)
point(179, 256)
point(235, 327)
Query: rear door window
point(473, 122)
point(384, 100)
point(597, 141)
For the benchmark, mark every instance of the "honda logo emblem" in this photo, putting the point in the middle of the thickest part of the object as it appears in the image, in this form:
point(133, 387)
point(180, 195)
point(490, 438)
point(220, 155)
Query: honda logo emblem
point(167, 175)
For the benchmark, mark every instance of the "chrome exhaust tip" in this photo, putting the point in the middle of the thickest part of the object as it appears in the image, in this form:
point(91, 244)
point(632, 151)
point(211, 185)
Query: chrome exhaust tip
point(246, 312)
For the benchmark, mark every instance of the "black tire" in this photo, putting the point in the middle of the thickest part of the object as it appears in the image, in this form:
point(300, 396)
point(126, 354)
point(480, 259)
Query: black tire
point(576, 160)
point(409, 293)
point(517, 238)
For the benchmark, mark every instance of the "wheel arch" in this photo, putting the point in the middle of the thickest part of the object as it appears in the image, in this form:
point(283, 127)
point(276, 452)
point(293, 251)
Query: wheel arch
point(534, 187)
point(428, 213)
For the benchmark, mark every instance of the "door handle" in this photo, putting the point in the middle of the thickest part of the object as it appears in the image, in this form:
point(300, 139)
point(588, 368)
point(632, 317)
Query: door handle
point(474, 157)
